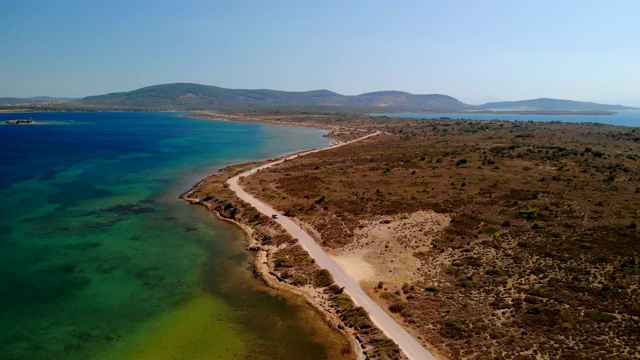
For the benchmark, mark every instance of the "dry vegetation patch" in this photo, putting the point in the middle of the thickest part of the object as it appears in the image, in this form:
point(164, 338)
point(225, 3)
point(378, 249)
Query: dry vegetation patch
point(530, 248)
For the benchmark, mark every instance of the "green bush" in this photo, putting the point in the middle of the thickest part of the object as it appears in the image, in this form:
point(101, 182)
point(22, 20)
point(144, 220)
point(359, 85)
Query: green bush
point(537, 225)
point(599, 316)
point(453, 329)
point(322, 278)
point(342, 301)
point(387, 348)
point(397, 306)
point(528, 213)
point(466, 281)
point(356, 317)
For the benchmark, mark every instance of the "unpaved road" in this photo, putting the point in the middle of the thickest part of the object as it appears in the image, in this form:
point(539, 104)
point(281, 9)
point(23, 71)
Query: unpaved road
point(409, 344)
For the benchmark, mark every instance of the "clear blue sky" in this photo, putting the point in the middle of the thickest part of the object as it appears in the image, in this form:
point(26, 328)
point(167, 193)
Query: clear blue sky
point(475, 51)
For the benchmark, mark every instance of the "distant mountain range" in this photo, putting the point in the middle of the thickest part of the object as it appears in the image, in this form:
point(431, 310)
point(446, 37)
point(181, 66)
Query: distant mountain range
point(195, 97)
point(185, 96)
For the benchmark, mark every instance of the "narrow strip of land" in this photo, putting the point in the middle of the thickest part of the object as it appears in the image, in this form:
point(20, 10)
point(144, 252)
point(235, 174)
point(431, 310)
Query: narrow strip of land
point(385, 322)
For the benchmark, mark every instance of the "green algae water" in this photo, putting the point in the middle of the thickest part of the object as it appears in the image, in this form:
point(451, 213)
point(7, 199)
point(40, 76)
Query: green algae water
point(99, 259)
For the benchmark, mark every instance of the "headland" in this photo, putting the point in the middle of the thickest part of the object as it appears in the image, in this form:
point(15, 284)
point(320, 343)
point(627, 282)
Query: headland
point(481, 237)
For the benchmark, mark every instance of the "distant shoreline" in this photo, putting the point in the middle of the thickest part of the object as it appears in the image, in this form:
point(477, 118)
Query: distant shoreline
point(518, 112)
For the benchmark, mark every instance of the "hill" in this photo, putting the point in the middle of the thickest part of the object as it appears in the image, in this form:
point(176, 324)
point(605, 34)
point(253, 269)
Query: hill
point(185, 96)
point(551, 104)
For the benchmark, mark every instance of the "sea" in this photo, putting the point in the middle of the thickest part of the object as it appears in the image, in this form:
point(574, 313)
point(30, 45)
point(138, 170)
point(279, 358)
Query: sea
point(621, 118)
point(100, 259)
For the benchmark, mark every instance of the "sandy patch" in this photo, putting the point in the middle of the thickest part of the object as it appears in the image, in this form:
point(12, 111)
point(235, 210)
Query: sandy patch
point(355, 264)
point(384, 247)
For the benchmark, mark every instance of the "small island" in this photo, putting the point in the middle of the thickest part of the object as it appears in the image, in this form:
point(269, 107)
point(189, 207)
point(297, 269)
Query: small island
point(20, 121)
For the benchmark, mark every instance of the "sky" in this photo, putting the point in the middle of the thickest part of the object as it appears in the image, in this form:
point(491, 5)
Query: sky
point(475, 51)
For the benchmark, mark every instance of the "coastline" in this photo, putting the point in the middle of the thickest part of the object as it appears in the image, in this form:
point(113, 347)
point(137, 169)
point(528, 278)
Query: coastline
point(399, 345)
point(260, 269)
point(261, 258)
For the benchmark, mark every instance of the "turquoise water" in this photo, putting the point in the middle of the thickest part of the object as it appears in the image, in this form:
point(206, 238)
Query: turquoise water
point(622, 118)
point(99, 259)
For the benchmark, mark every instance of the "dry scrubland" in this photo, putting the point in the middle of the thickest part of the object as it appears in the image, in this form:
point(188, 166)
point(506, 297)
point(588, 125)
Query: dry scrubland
point(505, 240)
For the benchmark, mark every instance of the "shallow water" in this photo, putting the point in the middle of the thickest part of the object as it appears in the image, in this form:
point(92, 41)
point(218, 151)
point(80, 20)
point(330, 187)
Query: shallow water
point(100, 260)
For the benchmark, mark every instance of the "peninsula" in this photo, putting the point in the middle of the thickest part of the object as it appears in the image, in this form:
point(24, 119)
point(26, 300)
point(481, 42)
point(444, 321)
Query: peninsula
point(482, 238)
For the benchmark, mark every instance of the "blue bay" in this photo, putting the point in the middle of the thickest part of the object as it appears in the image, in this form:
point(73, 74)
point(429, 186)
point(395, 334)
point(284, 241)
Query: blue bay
point(99, 259)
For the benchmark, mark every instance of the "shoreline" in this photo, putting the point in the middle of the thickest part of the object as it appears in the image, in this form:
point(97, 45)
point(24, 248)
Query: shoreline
point(260, 269)
point(409, 345)
point(260, 266)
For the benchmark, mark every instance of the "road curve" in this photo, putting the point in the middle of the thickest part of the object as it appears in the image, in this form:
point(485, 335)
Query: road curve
point(387, 324)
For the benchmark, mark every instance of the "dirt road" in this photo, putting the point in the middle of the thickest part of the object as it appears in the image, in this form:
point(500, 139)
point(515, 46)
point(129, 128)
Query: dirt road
point(409, 344)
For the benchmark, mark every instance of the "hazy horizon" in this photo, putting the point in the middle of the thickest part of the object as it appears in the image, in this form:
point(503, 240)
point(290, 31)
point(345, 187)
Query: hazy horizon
point(475, 52)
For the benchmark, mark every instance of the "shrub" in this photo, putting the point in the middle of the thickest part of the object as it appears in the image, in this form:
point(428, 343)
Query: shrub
point(322, 278)
point(406, 288)
point(283, 262)
point(342, 301)
point(525, 135)
point(299, 280)
point(466, 281)
point(397, 306)
point(334, 289)
point(599, 316)
point(528, 213)
point(356, 317)
point(453, 328)
point(535, 310)
point(461, 162)
point(387, 348)
point(537, 225)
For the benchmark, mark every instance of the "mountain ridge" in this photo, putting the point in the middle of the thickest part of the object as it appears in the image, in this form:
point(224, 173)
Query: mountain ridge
point(189, 96)
point(192, 96)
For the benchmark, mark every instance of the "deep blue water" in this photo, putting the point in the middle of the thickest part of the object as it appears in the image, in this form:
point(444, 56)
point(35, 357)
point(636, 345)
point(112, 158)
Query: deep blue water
point(621, 118)
point(97, 251)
